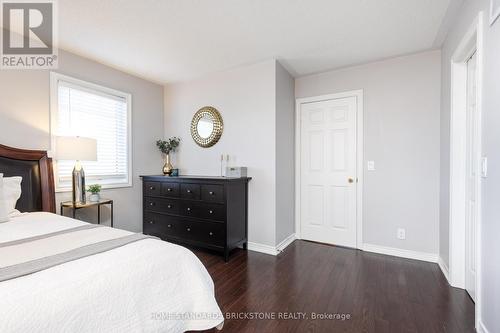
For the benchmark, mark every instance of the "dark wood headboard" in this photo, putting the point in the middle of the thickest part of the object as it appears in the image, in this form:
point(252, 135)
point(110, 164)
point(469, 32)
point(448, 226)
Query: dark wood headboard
point(38, 179)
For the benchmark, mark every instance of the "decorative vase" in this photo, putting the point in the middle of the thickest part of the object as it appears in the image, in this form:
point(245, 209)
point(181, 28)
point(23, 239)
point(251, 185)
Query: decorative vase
point(95, 197)
point(167, 168)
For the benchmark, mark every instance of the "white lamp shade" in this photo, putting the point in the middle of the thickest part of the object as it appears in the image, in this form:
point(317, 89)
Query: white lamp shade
point(76, 148)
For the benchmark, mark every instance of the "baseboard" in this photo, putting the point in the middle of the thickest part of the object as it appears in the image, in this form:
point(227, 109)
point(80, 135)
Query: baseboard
point(287, 241)
point(444, 269)
point(272, 250)
point(481, 328)
point(262, 248)
point(392, 251)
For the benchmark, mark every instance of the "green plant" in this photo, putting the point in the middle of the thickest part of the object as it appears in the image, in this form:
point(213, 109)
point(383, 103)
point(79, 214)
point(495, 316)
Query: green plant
point(95, 189)
point(168, 146)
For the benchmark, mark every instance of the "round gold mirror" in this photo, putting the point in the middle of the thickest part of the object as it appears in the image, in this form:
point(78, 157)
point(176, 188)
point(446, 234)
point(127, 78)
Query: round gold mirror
point(206, 127)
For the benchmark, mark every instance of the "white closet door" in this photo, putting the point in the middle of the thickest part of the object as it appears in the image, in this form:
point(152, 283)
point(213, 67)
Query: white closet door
point(328, 171)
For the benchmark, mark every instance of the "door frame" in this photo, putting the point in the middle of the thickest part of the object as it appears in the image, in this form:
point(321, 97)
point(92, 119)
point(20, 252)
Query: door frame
point(358, 94)
point(472, 41)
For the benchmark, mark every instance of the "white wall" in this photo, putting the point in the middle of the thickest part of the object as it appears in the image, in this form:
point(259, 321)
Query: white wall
point(25, 119)
point(490, 233)
point(285, 154)
point(245, 97)
point(401, 134)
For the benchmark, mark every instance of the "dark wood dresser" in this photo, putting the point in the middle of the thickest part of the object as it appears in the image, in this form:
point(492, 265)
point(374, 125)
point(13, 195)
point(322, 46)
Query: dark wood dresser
point(208, 212)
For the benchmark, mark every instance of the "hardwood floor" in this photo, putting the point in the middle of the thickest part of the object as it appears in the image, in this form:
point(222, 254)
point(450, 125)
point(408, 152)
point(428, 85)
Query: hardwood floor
point(380, 293)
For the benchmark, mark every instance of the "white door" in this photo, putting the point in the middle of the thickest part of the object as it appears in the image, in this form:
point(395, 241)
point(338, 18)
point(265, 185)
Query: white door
point(472, 184)
point(328, 171)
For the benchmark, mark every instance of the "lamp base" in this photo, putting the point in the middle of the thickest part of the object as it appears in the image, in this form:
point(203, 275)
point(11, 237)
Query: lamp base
point(79, 195)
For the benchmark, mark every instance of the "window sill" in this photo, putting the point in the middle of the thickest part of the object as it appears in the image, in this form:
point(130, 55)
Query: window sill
point(104, 187)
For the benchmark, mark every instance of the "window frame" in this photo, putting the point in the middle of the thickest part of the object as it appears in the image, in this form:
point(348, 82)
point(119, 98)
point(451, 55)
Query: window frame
point(54, 111)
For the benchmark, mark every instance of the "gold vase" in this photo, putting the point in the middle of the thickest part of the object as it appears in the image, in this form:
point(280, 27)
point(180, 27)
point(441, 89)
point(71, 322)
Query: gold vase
point(167, 167)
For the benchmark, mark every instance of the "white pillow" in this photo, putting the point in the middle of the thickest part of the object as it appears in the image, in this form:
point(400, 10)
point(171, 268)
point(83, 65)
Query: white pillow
point(11, 193)
point(4, 215)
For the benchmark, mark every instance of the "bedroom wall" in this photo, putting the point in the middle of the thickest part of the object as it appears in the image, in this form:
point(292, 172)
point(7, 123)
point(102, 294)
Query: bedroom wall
point(25, 119)
point(490, 228)
point(285, 154)
point(401, 134)
point(245, 97)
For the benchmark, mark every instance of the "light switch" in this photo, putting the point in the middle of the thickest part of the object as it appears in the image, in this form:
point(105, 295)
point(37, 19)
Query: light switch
point(484, 167)
point(371, 165)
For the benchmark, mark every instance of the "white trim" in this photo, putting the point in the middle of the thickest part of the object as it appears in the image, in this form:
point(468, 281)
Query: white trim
point(481, 328)
point(54, 79)
point(284, 244)
point(402, 253)
point(359, 163)
point(472, 40)
point(444, 269)
point(262, 248)
point(271, 250)
point(494, 13)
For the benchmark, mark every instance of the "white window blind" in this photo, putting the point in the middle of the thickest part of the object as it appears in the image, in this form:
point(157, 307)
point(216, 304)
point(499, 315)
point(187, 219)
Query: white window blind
point(93, 113)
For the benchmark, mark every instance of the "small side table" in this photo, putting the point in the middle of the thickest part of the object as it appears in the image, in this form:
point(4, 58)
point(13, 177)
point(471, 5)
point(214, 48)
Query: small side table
point(69, 204)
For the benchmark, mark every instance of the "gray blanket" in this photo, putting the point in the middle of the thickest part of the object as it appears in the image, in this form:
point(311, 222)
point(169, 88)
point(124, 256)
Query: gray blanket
point(34, 254)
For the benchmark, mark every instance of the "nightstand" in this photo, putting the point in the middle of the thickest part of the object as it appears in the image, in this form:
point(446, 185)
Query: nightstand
point(69, 204)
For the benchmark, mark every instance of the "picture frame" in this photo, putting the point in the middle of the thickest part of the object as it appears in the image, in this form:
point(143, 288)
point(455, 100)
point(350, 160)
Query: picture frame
point(494, 11)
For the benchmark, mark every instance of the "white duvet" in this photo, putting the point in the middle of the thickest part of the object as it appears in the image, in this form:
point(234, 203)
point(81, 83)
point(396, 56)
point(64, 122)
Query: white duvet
point(146, 286)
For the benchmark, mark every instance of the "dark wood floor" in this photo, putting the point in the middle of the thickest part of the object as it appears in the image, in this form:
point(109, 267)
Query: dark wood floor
point(380, 293)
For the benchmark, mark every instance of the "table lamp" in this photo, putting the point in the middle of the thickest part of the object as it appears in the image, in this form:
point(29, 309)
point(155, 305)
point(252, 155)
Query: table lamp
point(75, 148)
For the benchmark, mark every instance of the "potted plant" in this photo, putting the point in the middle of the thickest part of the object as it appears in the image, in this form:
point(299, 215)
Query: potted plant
point(166, 147)
point(95, 191)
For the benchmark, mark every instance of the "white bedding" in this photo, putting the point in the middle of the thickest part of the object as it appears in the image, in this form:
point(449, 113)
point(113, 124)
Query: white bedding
point(145, 286)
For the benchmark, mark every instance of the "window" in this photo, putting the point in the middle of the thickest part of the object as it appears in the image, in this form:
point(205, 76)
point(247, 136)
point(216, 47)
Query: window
point(84, 109)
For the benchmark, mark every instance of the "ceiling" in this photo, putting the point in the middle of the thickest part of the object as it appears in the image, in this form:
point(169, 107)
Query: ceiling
point(176, 40)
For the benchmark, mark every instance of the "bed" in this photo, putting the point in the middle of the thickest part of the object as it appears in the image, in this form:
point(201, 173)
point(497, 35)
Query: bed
point(50, 282)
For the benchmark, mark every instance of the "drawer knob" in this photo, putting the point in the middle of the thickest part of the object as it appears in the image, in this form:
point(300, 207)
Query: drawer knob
point(211, 233)
point(188, 229)
point(151, 222)
point(151, 203)
point(169, 226)
point(169, 189)
point(188, 191)
point(211, 193)
point(188, 209)
point(211, 211)
point(151, 187)
point(169, 206)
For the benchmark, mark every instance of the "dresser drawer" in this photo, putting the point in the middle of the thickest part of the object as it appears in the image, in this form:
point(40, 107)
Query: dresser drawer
point(204, 210)
point(212, 211)
point(152, 188)
point(153, 225)
point(161, 205)
point(212, 193)
point(170, 190)
point(190, 191)
point(163, 226)
point(204, 232)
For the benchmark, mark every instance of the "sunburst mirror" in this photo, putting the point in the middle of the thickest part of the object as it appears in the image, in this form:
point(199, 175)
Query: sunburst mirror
point(206, 126)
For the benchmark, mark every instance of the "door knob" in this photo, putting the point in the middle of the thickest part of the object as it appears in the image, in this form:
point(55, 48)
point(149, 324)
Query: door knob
point(350, 180)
